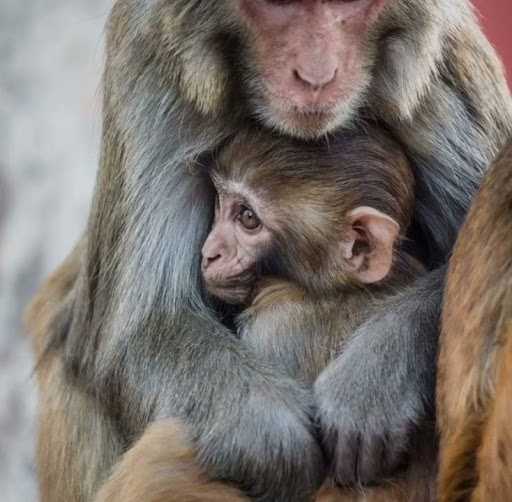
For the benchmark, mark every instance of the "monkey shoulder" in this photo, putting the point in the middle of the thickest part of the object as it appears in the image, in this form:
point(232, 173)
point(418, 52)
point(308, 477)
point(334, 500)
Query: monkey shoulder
point(274, 292)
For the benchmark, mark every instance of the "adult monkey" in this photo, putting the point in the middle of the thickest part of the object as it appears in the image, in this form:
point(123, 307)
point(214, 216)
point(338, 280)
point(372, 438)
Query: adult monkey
point(131, 337)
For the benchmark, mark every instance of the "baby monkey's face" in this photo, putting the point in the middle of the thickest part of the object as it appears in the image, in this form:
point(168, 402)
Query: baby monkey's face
point(324, 217)
point(236, 245)
point(247, 239)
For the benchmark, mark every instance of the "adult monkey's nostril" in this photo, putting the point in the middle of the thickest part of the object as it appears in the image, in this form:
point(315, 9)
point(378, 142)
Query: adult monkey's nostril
point(315, 79)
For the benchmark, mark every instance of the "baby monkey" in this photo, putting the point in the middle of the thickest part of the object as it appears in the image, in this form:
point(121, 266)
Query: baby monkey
point(308, 240)
point(315, 225)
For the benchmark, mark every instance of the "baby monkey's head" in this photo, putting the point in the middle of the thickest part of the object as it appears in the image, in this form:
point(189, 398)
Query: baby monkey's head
point(324, 215)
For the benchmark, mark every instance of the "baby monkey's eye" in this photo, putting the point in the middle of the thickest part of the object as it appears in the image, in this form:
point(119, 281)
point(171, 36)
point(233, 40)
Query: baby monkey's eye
point(248, 218)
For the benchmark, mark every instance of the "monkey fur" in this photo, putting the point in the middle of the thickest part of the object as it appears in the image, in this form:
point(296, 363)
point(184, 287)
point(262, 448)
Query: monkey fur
point(475, 362)
point(304, 312)
point(128, 334)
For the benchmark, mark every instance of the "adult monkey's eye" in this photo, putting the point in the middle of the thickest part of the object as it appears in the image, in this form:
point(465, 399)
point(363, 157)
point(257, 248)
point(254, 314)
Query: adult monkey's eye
point(248, 218)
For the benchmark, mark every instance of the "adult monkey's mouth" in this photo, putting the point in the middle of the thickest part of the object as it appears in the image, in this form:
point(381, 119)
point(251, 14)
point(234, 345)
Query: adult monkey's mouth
point(307, 123)
point(293, 120)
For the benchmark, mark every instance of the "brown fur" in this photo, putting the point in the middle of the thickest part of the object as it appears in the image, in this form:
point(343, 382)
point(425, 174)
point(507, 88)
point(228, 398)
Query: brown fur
point(60, 470)
point(475, 372)
point(308, 189)
point(162, 467)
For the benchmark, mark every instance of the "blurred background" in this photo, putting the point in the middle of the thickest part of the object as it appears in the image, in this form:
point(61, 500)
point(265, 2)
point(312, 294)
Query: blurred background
point(51, 56)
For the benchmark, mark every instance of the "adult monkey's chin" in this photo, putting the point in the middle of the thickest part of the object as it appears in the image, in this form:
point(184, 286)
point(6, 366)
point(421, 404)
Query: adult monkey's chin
point(307, 123)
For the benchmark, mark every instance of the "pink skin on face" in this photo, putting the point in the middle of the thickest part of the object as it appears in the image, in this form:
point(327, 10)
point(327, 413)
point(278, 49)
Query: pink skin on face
point(310, 56)
point(233, 248)
point(238, 240)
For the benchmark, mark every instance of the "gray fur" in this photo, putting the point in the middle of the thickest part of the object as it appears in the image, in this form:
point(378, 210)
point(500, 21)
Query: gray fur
point(375, 414)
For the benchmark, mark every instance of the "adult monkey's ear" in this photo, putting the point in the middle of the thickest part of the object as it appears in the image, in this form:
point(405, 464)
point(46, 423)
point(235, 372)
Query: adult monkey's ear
point(368, 244)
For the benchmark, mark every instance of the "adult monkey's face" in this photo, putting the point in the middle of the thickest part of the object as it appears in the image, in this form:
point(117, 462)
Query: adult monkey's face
point(312, 60)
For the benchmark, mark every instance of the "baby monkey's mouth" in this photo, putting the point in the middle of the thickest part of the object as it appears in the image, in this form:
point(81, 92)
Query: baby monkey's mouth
point(235, 290)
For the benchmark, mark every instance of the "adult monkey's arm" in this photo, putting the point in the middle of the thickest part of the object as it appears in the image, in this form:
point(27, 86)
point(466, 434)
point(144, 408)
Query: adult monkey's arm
point(134, 339)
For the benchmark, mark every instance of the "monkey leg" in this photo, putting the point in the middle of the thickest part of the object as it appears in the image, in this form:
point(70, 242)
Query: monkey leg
point(162, 467)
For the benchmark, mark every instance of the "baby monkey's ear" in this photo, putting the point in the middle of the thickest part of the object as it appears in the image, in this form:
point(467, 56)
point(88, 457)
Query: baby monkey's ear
point(367, 245)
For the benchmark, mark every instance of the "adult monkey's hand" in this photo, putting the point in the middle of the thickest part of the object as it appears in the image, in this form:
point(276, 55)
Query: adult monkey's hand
point(131, 336)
